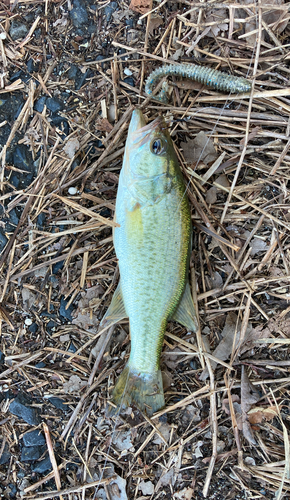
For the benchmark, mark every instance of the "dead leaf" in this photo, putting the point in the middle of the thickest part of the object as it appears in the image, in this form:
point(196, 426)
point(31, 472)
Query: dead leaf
point(231, 338)
point(177, 54)
point(216, 280)
point(274, 326)
point(155, 22)
point(217, 16)
point(28, 298)
point(258, 414)
point(185, 494)
point(167, 379)
point(258, 245)
point(117, 489)
point(141, 6)
point(211, 195)
point(118, 15)
point(165, 430)
point(71, 147)
point(74, 384)
point(251, 136)
point(62, 21)
point(190, 414)
point(123, 440)
point(201, 148)
point(83, 315)
point(103, 125)
point(222, 180)
point(278, 18)
point(249, 396)
point(167, 478)
point(237, 409)
point(147, 487)
point(255, 334)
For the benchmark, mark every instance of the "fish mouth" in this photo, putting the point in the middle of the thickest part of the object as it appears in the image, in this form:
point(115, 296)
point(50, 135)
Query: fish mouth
point(139, 131)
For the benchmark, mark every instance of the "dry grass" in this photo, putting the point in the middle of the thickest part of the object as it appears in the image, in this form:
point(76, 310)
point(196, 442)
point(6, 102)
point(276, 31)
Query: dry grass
point(217, 442)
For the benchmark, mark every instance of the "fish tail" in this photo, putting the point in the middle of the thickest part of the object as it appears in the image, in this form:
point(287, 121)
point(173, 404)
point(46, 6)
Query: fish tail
point(144, 390)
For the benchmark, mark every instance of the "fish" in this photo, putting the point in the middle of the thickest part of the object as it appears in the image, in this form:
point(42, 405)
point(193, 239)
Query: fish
point(152, 241)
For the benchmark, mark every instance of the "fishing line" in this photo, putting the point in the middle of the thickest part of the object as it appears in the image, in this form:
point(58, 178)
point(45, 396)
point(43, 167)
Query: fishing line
point(228, 102)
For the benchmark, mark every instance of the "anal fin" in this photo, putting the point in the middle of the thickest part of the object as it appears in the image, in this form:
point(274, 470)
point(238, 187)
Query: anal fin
point(185, 313)
point(116, 310)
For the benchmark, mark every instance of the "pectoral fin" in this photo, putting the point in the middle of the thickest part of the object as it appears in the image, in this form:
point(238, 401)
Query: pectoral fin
point(185, 313)
point(116, 310)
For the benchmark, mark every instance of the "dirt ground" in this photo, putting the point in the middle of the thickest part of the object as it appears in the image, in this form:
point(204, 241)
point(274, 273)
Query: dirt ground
point(71, 74)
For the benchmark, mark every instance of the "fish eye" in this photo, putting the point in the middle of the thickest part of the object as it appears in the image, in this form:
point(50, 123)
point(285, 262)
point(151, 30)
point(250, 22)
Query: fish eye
point(157, 147)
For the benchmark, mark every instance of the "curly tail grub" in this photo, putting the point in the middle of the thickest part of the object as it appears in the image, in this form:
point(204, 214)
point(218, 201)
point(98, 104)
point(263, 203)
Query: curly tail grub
point(208, 76)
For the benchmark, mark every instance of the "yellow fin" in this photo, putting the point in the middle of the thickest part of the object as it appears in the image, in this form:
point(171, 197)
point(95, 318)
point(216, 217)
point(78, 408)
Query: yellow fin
point(185, 313)
point(145, 390)
point(116, 310)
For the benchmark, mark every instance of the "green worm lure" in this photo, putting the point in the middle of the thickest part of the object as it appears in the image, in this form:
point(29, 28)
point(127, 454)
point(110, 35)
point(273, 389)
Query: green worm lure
point(207, 76)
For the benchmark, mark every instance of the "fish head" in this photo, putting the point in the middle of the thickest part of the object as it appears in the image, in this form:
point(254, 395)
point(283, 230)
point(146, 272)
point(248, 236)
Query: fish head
point(149, 165)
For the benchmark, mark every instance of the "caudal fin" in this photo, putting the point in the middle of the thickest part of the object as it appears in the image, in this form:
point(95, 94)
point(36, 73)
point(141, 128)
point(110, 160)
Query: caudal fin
point(145, 390)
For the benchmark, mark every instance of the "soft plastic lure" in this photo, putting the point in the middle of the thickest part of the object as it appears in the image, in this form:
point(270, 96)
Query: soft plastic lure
point(208, 76)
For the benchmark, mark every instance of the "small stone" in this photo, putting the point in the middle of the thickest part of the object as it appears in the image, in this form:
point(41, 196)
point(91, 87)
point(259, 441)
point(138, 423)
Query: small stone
point(22, 409)
point(193, 365)
point(63, 312)
point(80, 79)
point(72, 191)
point(222, 180)
point(31, 66)
point(61, 123)
point(5, 457)
point(109, 10)
point(3, 240)
point(78, 14)
point(11, 221)
point(21, 474)
point(30, 453)
point(129, 80)
point(58, 403)
point(100, 58)
point(130, 23)
point(33, 438)
point(18, 29)
point(72, 347)
point(128, 72)
point(64, 338)
point(72, 72)
point(28, 322)
point(250, 461)
point(57, 267)
point(41, 364)
point(13, 490)
point(2, 358)
point(22, 159)
point(42, 466)
point(54, 104)
point(41, 218)
point(39, 104)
